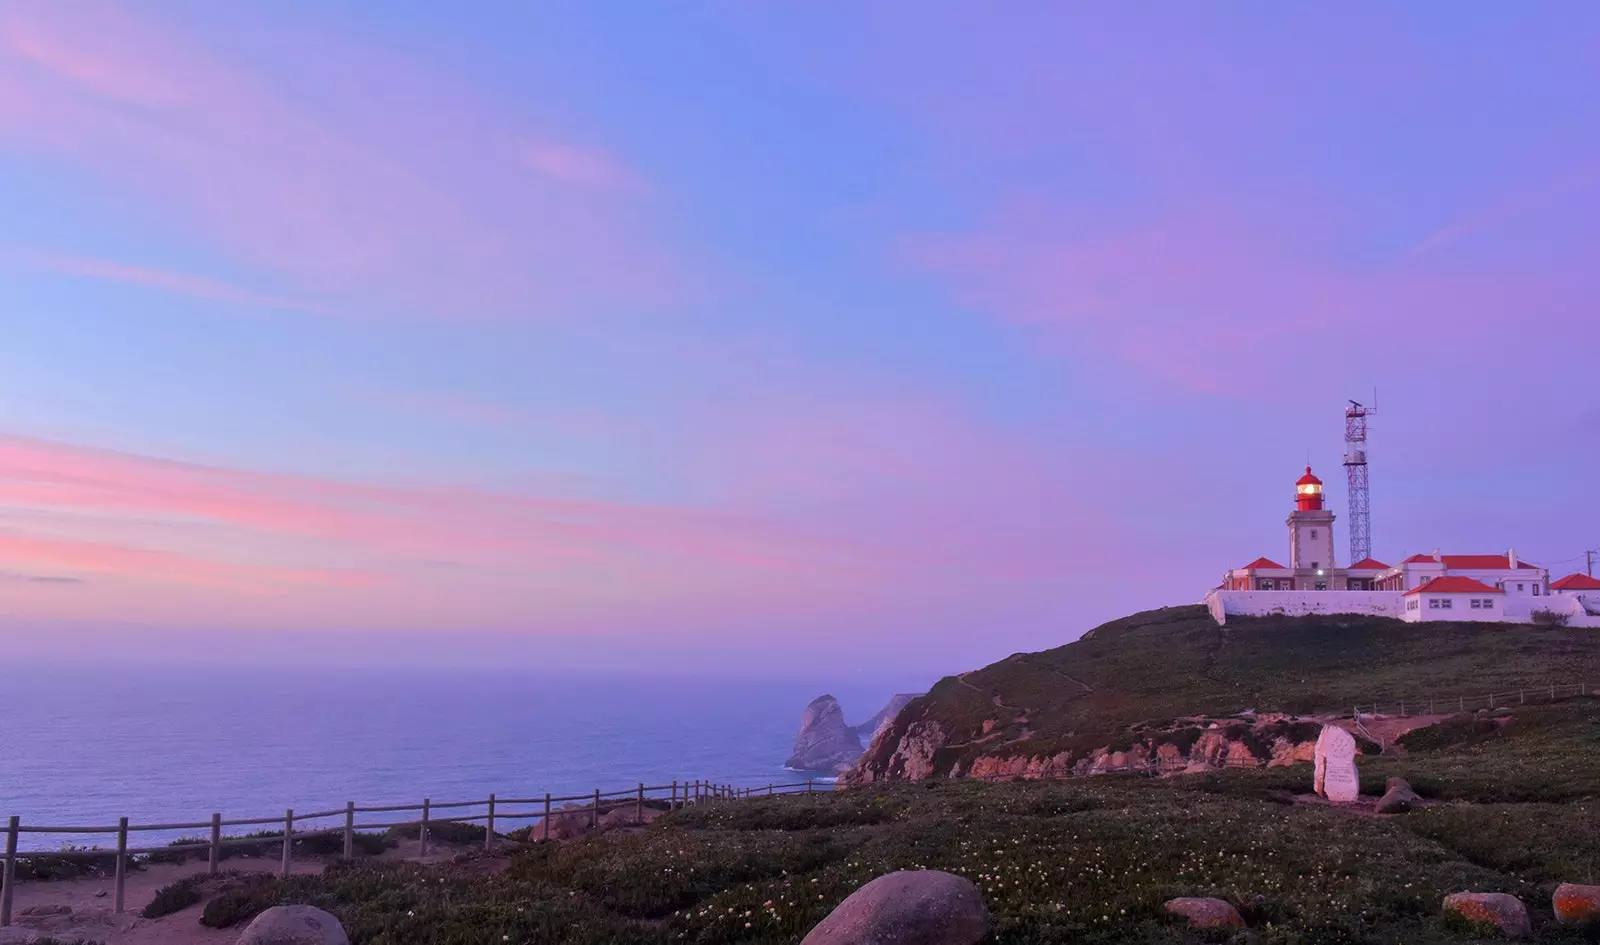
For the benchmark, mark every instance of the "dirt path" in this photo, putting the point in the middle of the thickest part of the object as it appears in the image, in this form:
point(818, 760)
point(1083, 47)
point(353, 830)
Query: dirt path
point(90, 900)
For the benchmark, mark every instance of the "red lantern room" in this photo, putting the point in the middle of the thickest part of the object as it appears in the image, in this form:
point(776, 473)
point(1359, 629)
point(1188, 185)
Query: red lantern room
point(1308, 492)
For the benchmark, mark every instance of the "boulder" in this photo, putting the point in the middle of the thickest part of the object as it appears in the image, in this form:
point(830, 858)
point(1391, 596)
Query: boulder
point(1204, 913)
point(569, 822)
point(911, 907)
point(1397, 797)
point(294, 925)
point(1575, 903)
point(825, 742)
point(1501, 910)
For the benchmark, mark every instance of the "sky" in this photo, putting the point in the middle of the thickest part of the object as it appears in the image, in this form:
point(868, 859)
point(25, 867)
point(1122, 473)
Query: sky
point(748, 338)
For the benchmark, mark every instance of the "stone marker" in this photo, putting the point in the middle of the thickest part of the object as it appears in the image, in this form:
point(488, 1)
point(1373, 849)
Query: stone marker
point(1206, 913)
point(1575, 903)
point(294, 925)
point(1502, 910)
point(911, 907)
point(1335, 758)
point(1398, 797)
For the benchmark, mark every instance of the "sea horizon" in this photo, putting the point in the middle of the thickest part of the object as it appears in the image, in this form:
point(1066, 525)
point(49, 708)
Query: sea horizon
point(87, 743)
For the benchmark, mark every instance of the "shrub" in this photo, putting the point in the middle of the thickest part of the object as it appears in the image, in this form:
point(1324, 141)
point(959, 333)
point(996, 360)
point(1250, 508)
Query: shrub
point(444, 831)
point(1549, 618)
point(243, 902)
point(174, 897)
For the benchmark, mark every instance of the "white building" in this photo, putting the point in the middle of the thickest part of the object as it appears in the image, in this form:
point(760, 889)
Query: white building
point(1426, 587)
point(1453, 597)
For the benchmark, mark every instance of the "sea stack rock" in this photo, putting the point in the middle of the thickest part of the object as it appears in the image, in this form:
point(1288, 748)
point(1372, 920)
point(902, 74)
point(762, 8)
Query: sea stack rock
point(825, 742)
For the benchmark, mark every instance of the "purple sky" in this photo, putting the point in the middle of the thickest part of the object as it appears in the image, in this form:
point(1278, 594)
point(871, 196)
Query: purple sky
point(757, 337)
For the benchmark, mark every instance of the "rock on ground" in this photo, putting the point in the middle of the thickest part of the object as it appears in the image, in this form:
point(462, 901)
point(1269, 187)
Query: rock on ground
point(1206, 913)
point(294, 925)
point(1398, 797)
point(1575, 903)
point(911, 907)
point(1502, 910)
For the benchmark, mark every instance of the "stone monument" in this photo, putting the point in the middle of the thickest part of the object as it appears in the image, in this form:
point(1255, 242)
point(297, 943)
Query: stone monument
point(1336, 766)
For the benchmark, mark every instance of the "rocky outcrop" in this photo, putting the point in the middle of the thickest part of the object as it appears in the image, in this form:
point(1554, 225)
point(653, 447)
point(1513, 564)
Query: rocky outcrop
point(1576, 904)
point(1398, 797)
point(869, 729)
point(294, 925)
point(1500, 910)
point(825, 742)
point(909, 751)
point(1206, 913)
point(912, 756)
point(911, 907)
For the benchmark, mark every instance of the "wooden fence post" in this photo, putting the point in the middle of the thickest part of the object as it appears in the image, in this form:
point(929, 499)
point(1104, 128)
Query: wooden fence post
point(288, 841)
point(594, 814)
point(8, 877)
point(673, 804)
point(349, 830)
point(422, 829)
point(1463, 704)
point(809, 782)
point(216, 844)
point(488, 830)
point(1522, 694)
point(639, 808)
point(769, 789)
point(547, 815)
point(122, 863)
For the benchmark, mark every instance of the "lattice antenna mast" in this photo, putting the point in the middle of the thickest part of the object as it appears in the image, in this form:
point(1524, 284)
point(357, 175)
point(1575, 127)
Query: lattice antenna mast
point(1355, 466)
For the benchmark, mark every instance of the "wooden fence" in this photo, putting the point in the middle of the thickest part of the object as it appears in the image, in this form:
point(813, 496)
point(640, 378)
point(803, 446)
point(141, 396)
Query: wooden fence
point(1445, 705)
point(293, 826)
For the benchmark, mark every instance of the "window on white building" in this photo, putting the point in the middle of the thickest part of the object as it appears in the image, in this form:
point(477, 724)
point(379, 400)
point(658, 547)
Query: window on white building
point(1477, 604)
point(1322, 585)
point(1433, 603)
point(1447, 603)
point(1313, 534)
point(1536, 590)
point(1488, 603)
point(1519, 588)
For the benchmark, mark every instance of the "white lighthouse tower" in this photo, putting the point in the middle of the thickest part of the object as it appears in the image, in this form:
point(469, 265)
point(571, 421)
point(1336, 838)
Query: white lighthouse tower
point(1310, 536)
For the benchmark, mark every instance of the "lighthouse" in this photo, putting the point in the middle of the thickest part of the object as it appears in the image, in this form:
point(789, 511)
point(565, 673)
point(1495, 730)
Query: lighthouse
point(1310, 535)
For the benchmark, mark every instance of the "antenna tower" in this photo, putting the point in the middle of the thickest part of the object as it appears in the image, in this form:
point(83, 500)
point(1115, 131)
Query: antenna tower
point(1355, 467)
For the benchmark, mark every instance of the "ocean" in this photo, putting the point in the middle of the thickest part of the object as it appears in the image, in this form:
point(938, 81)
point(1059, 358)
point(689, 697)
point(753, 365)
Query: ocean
point(85, 745)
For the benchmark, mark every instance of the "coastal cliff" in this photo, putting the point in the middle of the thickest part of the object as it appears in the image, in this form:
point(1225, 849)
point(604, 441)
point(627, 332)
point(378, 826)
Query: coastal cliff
point(827, 743)
point(1170, 689)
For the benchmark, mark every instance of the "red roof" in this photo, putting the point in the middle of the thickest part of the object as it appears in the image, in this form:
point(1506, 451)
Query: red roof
point(1263, 564)
point(1454, 584)
point(1308, 479)
point(1475, 562)
point(1576, 582)
point(1368, 564)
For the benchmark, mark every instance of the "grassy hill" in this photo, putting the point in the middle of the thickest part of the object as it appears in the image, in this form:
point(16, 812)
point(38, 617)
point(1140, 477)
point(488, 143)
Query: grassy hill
point(1176, 661)
point(1082, 861)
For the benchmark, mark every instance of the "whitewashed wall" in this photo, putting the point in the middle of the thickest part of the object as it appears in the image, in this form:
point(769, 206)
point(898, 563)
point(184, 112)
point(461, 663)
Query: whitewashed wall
point(1299, 603)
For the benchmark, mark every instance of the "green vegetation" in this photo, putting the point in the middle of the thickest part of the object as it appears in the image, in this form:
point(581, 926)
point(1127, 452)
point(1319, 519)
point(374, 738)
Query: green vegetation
point(1176, 662)
point(1086, 860)
point(174, 897)
point(269, 843)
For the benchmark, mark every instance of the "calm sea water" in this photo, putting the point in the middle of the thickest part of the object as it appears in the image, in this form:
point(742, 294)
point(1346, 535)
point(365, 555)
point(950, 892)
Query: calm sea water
point(87, 745)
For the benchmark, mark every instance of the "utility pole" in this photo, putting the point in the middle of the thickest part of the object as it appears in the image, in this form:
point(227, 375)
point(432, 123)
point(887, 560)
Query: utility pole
point(1588, 561)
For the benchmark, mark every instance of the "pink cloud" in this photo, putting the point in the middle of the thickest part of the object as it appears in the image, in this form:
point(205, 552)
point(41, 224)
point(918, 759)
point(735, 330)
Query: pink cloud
point(162, 279)
point(585, 167)
point(95, 557)
point(353, 202)
point(1222, 300)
